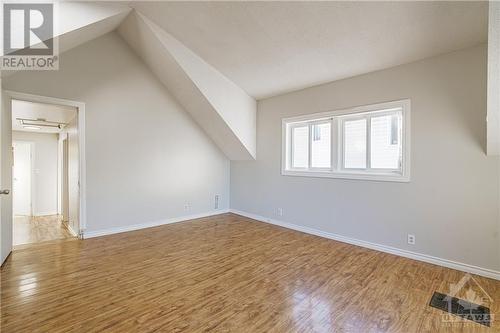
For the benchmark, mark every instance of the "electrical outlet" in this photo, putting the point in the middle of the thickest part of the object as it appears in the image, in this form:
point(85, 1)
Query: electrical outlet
point(216, 204)
point(280, 211)
point(411, 239)
point(187, 207)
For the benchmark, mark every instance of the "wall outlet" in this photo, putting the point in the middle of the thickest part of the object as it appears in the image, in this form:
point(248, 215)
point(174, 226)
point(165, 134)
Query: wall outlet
point(280, 211)
point(187, 207)
point(216, 203)
point(411, 239)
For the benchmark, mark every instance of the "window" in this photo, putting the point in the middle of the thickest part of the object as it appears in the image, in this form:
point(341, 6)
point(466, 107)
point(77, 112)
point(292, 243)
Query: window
point(321, 145)
point(369, 142)
point(300, 146)
point(354, 146)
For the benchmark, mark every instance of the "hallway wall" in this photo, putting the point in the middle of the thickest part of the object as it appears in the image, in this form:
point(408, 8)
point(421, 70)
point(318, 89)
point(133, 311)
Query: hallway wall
point(44, 185)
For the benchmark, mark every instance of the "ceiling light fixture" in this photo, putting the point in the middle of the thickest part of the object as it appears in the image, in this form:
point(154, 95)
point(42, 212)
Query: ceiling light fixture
point(32, 127)
point(41, 122)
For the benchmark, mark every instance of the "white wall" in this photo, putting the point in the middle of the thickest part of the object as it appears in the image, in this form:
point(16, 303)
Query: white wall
point(451, 203)
point(145, 157)
point(493, 78)
point(45, 150)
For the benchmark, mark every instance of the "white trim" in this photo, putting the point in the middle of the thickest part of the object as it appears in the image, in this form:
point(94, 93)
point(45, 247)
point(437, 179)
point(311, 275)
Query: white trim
point(116, 230)
point(81, 142)
point(336, 171)
point(71, 231)
point(342, 112)
point(350, 175)
point(382, 248)
point(45, 213)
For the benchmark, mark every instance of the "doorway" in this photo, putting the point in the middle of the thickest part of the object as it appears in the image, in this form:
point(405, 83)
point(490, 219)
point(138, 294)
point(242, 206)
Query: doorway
point(43, 137)
point(6, 164)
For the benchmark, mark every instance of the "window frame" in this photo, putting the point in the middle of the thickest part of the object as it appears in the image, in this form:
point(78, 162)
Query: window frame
point(336, 119)
point(309, 124)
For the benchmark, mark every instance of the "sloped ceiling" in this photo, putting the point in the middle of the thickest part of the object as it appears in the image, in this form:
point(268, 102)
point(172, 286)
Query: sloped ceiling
point(219, 106)
point(82, 22)
point(217, 58)
point(79, 23)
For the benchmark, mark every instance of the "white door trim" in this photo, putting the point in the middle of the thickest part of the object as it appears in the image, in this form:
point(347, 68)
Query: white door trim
point(80, 106)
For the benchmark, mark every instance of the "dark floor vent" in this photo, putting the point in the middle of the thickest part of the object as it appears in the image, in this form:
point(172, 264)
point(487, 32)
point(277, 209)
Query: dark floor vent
point(461, 308)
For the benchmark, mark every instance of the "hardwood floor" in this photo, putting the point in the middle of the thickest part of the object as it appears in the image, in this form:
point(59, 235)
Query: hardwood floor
point(224, 273)
point(35, 229)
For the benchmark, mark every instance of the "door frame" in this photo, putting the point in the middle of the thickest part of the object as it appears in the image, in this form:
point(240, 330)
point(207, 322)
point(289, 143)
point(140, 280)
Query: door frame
point(64, 200)
point(80, 109)
point(32, 180)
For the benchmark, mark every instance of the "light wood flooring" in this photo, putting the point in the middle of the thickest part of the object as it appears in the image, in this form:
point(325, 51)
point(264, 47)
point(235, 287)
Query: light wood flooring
point(35, 229)
point(224, 273)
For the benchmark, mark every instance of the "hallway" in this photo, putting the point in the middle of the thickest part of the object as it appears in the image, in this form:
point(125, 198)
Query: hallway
point(35, 229)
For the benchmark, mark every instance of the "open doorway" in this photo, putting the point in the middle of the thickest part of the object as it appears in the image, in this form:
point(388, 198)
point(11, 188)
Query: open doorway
point(45, 172)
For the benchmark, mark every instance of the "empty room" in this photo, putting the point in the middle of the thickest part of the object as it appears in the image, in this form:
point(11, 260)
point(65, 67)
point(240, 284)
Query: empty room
point(244, 166)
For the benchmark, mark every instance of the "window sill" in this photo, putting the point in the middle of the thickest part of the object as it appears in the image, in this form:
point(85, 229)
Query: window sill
point(381, 177)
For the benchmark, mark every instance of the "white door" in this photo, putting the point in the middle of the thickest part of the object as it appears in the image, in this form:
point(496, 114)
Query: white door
point(5, 177)
point(22, 179)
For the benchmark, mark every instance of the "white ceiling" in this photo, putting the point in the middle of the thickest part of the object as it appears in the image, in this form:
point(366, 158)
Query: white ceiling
point(268, 48)
point(50, 112)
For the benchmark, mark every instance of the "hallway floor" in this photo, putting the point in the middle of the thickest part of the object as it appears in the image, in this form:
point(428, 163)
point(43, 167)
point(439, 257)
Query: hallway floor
point(35, 229)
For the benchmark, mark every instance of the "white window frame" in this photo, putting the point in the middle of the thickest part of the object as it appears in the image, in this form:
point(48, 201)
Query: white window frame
point(336, 118)
point(309, 124)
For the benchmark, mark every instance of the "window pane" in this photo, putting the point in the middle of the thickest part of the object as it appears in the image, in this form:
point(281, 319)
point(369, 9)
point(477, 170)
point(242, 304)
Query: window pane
point(321, 146)
point(355, 144)
point(300, 149)
point(385, 142)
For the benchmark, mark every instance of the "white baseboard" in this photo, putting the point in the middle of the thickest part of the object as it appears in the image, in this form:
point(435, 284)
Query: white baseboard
point(116, 230)
point(383, 248)
point(67, 225)
point(45, 213)
point(71, 231)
